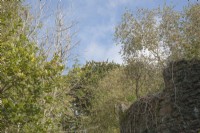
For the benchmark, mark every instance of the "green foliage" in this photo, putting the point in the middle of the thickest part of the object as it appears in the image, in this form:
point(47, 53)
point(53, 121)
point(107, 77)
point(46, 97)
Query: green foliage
point(151, 38)
point(29, 85)
point(82, 79)
point(160, 34)
point(88, 75)
point(111, 98)
point(145, 77)
point(36, 97)
point(191, 29)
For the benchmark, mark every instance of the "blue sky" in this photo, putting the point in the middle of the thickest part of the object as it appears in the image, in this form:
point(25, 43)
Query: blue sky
point(96, 23)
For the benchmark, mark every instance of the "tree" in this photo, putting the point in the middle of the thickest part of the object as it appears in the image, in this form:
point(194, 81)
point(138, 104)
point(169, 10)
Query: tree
point(151, 38)
point(83, 81)
point(30, 86)
point(145, 77)
point(191, 30)
point(111, 95)
point(160, 34)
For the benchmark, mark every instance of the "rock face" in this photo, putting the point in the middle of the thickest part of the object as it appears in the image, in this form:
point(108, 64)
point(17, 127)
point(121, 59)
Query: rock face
point(175, 110)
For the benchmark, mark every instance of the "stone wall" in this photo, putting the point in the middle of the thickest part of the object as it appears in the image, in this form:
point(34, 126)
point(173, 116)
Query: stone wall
point(175, 110)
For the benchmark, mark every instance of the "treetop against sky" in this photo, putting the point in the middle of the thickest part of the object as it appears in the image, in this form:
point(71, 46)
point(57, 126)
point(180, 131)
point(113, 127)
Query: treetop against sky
point(96, 21)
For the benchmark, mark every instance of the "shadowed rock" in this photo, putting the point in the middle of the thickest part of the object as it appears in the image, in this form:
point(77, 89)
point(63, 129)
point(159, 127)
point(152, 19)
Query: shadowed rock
point(175, 110)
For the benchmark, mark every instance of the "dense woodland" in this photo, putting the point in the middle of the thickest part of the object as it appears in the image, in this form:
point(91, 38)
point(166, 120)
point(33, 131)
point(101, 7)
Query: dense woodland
point(35, 94)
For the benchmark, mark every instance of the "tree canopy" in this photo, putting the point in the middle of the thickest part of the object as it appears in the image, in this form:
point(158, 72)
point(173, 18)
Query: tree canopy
point(37, 96)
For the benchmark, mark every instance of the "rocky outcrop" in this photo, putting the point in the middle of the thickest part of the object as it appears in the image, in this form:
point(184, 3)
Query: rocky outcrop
point(175, 110)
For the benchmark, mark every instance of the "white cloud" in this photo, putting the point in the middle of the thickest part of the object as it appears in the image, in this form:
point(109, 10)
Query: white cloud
point(113, 54)
point(96, 40)
point(99, 52)
point(116, 3)
point(94, 52)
